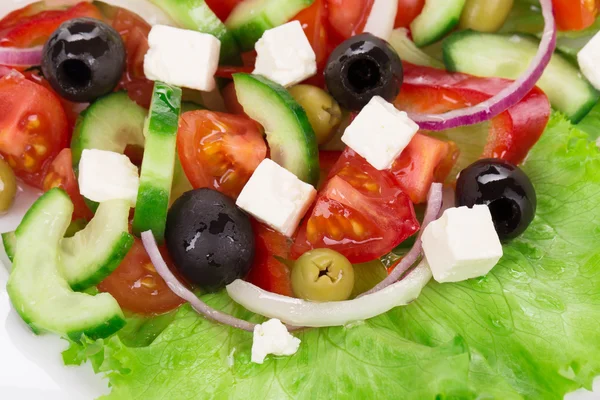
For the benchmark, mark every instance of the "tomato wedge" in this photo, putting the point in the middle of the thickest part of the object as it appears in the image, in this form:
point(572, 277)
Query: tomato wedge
point(327, 160)
point(408, 10)
point(219, 151)
point(60, 174)
point(33, 127)
point(511, 134)
point(425, 160)
point(35, 30)
point(222, 8)
point(136, 285)
point(575, 15)
point(267, 272)
point(134, 32)
point(361, 212)
point(349, 17)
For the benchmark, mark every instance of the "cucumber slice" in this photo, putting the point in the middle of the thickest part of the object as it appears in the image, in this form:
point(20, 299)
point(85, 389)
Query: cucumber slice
point(251, 18)
point(112, 123)
point(39, 293)
point(96, 251)
point(508, 56)
point(9, 240)
point(290, 136)
point(156, 177)
point(196, 15)
point(408, 51)
point(437, 19)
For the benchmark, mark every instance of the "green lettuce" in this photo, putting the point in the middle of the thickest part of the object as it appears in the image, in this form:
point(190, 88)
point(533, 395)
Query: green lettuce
point(530, 329)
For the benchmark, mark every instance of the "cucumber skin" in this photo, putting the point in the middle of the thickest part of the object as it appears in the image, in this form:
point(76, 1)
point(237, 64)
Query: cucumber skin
point(117, 255)
point(97, 331)
point(449, 62)
point(424, 34)
point(311, 173)
point(9, 240)
point(161, 145)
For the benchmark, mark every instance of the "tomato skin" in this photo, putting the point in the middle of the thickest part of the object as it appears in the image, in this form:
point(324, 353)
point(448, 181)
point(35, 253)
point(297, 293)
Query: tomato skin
point(512, 134)
point(222, 8)
point(327, 160)
point(575, 15)
point(134, 32)
point(349, 17)
point(267, 272)
point(361, 213)
point(33, 127)
point(408, 10)
point(136, 285)
point(219, 151)
point(425, 160)
point(231, 102)
point(60, 174)
point(38, 28)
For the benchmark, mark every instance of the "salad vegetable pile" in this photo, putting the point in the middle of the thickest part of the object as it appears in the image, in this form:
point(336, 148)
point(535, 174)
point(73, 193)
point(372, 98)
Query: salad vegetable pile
point(307, 198)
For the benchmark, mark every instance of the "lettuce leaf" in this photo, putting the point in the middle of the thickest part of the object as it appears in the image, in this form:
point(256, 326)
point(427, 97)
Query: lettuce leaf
point(530, 329)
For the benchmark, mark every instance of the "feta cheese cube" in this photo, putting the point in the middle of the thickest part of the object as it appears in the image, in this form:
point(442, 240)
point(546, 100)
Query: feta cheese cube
point(285, 56)
point(589, 61)
point(272, 337)
point(182, 57)
point(106, 175)
point(276, 197)
point(380, 133)
point(462, 244)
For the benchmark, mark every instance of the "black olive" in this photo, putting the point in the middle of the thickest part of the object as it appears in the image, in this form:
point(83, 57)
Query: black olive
point(362, 67)
point(505, 189)
point(210, 239)
point(83, 59)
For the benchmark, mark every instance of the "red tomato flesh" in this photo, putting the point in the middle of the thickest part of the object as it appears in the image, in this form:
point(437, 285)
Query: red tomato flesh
point(219, 151)
point(33, 127)
point(267, 272)
point(222, 8)
point(137, 286)
point(361, 212)
point(60, 174)
point(349, 17)
point(408, 10)
point(575, 15)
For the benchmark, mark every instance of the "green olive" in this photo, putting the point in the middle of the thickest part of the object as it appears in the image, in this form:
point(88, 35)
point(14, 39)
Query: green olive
point(485, 15)
point(8, 186)
point(324, 113)
point(323, 275)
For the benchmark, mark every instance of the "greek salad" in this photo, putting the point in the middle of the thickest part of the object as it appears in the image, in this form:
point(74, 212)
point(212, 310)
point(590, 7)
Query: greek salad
point(370, 198)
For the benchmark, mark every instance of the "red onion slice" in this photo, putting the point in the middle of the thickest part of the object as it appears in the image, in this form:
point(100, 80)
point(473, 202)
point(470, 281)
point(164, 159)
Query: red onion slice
point(434, 205)
point(507, 97)
point(20, 57)
point(186, 294)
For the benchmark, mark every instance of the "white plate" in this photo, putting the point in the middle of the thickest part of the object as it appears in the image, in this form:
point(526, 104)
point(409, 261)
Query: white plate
point(31, 366)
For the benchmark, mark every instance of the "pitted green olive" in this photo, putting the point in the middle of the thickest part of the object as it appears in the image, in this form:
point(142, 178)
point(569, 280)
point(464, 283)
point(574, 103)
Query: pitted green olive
point(323, 275)
point(323, 112)
point(8, 186)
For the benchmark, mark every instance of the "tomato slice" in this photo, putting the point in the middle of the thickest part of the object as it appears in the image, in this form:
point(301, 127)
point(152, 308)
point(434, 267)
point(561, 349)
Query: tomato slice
point(327, 160)
point(361, 212)
point(222, 8)
point(38, 28)
point(575, 15)
point(267, 272)
point(33, 127)
point(425, 160)
point(60, 174)
point(218, 150)
point(134, 31)
point(349, 17)
point(136, 285)
point(511, 134)
point(21, 15)
point(408, 10)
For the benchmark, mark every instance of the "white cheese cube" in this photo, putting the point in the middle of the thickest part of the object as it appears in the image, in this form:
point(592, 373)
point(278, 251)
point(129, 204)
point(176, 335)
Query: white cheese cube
point(379, 133)
point(462, 244)
point(284, 55)
point(106, 175)
point(276, 197)
point(589, 61)
point(182, 57)
point(272, 337)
